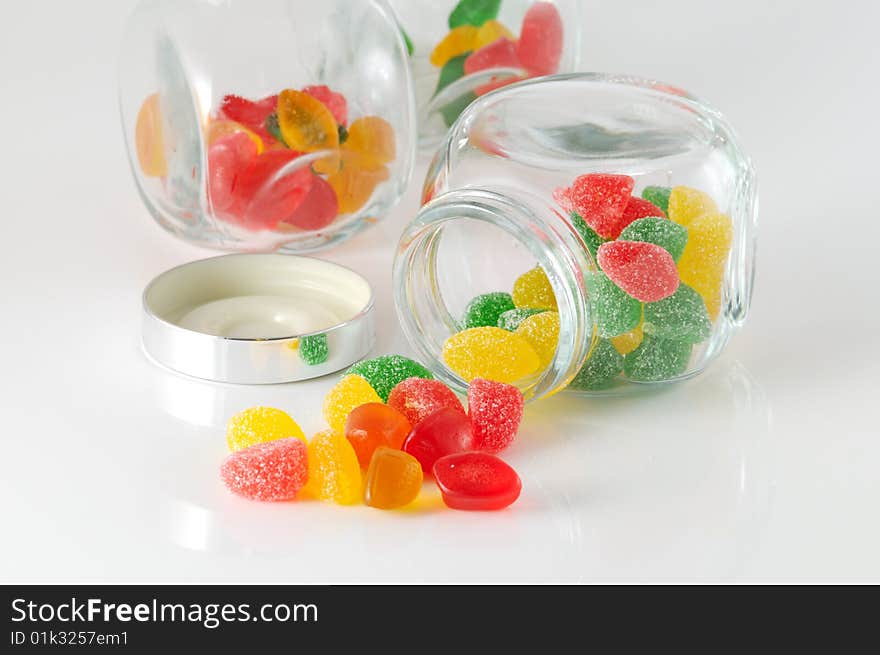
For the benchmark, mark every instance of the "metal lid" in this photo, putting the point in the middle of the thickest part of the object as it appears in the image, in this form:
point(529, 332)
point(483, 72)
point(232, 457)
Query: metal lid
point(258, 319)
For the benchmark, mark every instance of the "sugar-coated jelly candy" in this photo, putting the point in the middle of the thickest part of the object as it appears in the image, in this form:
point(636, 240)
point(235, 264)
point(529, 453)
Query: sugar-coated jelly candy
point(271, 189)
point(260, 424)
point(500, 54)
point(221, 128)
point(334, 471)
point(638, 208)
point(680, 317)
point(491, 353)
point(686, 204)
point(658, 196)
point(386, 371)
point(629, 341)
point(318, 209)
point(614, 310)
point(228, 156)
point(444, 432)
point(562, 196)
point(588, 234)
point(372, 425)
point(709, 283)
point(542, 332)
point(350, 392)
point(333, 101)
point(540, 39)
point(495, 410)
point(313, 349)
point(486, 308)
point(453, 70)
point(657, 359)
point(476, 481)
point(704, 258)
point(149, 142)
point(533, 290)
point(473, 12)
point(600, 199)
point(667, 234)
point(394, 479)
point(372, 138)
point(459, 41)
point(354, 186)
point(511, 319)
point(418, 398)
point(645, 271)
point(603, 365)
point(490, 32)
point(275, 470)
point(306, 123)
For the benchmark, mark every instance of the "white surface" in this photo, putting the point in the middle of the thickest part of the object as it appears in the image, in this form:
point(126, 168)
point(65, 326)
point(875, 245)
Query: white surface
point(764, 469)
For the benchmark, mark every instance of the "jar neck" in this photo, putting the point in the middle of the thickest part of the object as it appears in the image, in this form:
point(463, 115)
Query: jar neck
point(548, 236)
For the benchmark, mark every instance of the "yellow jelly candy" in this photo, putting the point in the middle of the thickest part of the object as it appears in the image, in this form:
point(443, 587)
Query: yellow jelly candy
point(260, 424)
point(350, 392)
point(394, 479)
point(219, 129)
point(542, 332)
point(334, 471)
point(354, 185)
point(532, 290)
point(490, 32)
point(305, 122)
point(686, 204)
point(703, 261)
point(490, 353)
point(148, 139)
point(627, 342)
point(372, 139)
point(707, 281)
point(460, 40)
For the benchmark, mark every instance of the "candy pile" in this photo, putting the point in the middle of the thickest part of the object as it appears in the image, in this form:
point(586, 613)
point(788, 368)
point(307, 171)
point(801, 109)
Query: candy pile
point(655, 291)
point(254, 178)
point(390, 418)
point(478, 42)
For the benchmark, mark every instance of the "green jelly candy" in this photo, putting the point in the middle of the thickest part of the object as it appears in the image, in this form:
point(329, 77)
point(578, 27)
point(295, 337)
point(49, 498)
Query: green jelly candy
point(313, 349)
point(657, 359)
point(600, 369)
point(658, 196)
point(616, 312)
point(667, 234)
point(681, 317)
point(473, 12)
point(451, 71)
point(484, 310)
point(588, 234)
point(511, 319)
point(385, 372)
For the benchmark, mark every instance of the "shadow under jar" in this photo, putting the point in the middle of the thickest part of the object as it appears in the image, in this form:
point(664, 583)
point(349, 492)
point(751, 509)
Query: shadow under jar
point(264, 124)
point(588, 232)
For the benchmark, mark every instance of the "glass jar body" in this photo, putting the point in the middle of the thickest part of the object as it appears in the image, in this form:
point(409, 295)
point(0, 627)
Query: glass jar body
point(525, 147)
point(237, 118)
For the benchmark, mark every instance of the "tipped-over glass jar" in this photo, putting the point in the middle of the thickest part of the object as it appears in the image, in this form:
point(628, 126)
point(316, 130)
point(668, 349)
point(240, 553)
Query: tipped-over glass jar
point(587, 232)
point(266, 124)
point(462, 49)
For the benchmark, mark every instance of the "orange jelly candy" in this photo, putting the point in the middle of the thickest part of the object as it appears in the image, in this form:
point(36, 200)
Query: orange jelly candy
point(148, 139)
point(372, 138)
point(305, 122)
point(373, 425)
point(354, 185)
point(394, 479)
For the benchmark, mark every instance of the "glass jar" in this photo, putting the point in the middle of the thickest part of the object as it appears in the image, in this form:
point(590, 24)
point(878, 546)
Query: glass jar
point(463, 49)
point(265, 124)
point(631, 297)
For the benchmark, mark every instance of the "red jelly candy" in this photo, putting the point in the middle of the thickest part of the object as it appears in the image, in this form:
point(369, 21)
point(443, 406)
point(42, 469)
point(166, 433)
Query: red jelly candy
point(495, 410)
point(444, 432)
point(333, 101)
point(562, 196)
point(540, 39)
point(318, 209)
point(638, 208)
point(498, 54)
point(266, 193)
point(373, 425)
point(601, 199)
point(228, 156)
point(418, 398)
point(273, 470)
point(250, 113)
point(476, 481)
point(645, 271)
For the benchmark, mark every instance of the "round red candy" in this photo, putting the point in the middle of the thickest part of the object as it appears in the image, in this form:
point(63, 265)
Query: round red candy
point(495, 410)
point(227, 158)
point(273, 470)
point(444, 432)
point(318, 208)
point(540, 39)
point(601, 199)
point(270, 189)
point(644, 270)
point(476, 481)
point(418, 398)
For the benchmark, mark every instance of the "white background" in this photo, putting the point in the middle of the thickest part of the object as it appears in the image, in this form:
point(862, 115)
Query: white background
point(764, 469)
